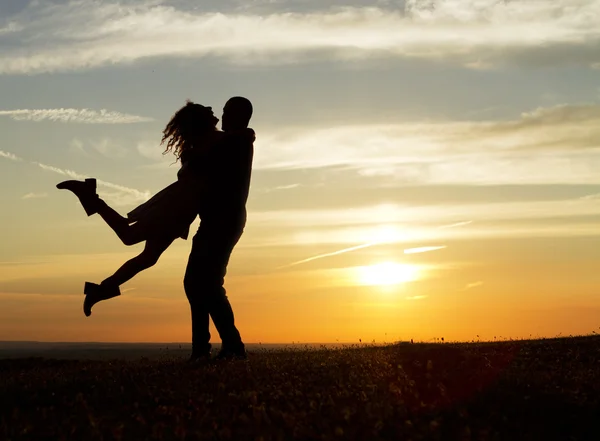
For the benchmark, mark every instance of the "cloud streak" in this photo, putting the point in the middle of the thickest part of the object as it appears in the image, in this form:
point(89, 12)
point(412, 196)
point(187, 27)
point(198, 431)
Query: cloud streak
point(479, 34)
point(345, 219)
point(591, 197)
point(559, 144)
point(9, 155)
point(423, 249)
point(473, 285)
point(457, 224)
point(333, 253)
point(34, 195)
point(10, 27)
point(121, 195)
point(361, 247)
point(81, 116)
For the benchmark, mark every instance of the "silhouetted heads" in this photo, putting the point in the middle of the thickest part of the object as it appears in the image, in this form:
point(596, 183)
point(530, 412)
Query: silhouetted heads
point(187, 125)
point(236, 114)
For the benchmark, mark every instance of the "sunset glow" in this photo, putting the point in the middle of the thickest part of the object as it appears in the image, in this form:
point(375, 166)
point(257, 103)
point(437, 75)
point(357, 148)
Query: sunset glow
point(387, 273)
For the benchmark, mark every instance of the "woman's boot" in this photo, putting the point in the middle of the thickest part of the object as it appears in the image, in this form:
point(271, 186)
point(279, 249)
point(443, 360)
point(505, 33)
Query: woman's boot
point(85, 191)
point(95, 293)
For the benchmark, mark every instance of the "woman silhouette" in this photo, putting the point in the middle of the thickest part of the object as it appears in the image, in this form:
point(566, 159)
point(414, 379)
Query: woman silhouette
point(166, 216)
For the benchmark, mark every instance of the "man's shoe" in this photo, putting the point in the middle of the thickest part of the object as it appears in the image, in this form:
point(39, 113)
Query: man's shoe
point(229, 354)
point(95, 293)
point(85, 191)
point(199, 358)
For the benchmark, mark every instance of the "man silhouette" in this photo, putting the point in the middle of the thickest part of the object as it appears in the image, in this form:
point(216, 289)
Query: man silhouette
point(223, 218)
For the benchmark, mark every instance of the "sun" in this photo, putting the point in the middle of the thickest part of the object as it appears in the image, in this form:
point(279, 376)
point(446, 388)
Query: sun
point(387, 273)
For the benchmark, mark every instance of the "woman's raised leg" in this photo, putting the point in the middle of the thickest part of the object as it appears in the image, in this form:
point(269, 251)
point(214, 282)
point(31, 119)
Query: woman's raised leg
point(129, 234)
point(86, 193)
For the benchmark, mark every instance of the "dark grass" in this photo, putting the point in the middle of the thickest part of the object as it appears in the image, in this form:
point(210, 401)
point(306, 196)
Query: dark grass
point(516, 390)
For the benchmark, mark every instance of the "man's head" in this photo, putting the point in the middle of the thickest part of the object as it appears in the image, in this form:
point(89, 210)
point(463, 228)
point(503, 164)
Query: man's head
point(236, 114)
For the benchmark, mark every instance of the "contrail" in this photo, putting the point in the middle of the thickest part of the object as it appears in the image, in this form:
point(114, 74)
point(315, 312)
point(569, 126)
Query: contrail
point(334, 253)
point(423, 249)
point(137, 194)
point(370, 244)
point(457, 224)
point(9, 155)
point(85, 116)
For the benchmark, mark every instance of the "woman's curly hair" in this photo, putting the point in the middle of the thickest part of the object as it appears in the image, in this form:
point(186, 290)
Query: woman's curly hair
point(188, 123)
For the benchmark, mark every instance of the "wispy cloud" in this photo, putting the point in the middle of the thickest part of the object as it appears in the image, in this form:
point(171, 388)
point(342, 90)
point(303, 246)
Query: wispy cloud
point(65, 172)
point(333, 253)
point(415, 215)
point(87, 34)
point(557, 144)
point(360, 247)
point(473, 285)
point(109, 148)
point(279, 188)
point(34, 195)
point(9, 155)
point(120, 196)
point(76, 146)
point(286, 187)
point(151, 150)
point(423, 249)
point(590, 197)
point(10, 27)
point(416, 298)
point(457, 224)
point(83, 116)
point(552, 145)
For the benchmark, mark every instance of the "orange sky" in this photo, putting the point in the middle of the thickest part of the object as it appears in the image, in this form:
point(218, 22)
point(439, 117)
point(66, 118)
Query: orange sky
point(500, 288)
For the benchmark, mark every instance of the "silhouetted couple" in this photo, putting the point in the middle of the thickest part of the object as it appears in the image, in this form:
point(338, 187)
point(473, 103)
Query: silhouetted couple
point(213, 182)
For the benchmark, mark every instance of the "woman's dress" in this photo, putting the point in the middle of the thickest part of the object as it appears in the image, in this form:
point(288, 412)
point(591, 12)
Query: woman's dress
point(173, 209)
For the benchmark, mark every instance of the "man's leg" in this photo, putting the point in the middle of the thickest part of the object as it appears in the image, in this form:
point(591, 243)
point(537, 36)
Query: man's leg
point(205, 277)
point(199, 307)
point(221, 311)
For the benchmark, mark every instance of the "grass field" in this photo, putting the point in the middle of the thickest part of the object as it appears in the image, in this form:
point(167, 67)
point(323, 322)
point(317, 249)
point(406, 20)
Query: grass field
point(517, 390)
